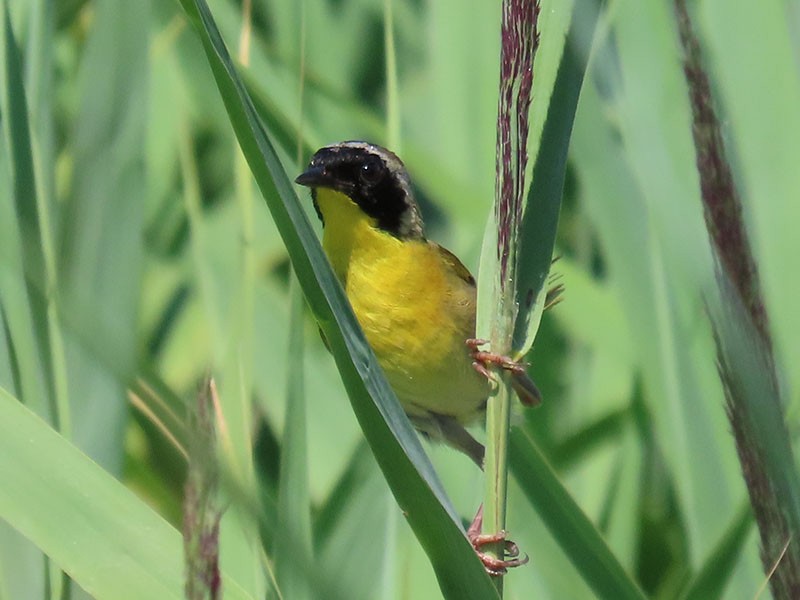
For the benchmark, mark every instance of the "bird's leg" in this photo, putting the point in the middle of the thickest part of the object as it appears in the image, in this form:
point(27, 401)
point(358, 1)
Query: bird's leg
point(494, 566)
point(528, 394)
point(459, 438)
point(523, 385)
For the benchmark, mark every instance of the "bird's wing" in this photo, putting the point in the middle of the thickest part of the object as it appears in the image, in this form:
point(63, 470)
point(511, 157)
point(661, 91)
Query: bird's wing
point(452, 261)
point(523, 385)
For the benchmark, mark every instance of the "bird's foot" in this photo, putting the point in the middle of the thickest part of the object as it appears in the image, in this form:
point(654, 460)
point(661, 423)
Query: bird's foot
point(494, 566)
point(482, 360)
point(523, 385)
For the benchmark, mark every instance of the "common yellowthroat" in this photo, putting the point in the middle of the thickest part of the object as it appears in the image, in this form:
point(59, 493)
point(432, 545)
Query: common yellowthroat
point(413, 298)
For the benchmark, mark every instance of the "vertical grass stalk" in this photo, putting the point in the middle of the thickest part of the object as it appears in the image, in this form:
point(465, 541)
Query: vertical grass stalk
point(519, 39)
point(293, 544)
point(41, 132)
point(21, 124)
point(201, 514)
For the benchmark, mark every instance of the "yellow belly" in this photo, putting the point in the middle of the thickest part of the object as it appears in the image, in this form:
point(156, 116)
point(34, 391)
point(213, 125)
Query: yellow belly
point(416, 313)
point(417, 325)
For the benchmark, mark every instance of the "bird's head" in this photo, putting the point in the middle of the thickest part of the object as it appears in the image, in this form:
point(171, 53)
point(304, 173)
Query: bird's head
point(371, 177)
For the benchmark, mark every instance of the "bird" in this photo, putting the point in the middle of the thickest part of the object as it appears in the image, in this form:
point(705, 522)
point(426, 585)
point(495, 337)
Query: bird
point(415, 300)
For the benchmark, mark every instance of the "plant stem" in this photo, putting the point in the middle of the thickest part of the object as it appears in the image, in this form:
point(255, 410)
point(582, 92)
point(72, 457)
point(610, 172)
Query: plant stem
point(498, 412)
point(519, 40)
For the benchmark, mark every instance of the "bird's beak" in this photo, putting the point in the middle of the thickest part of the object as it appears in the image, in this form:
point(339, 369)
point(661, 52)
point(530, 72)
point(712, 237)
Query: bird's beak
point(312, 177)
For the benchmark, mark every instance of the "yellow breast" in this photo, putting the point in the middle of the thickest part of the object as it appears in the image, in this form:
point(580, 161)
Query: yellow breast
point(415, 310)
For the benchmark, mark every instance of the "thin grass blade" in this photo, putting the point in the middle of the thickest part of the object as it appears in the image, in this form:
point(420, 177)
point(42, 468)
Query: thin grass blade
point(21, 261)
point(710, 580)
point(543, 204)
point(25, 354)
point(568, 524)
point(292, 548)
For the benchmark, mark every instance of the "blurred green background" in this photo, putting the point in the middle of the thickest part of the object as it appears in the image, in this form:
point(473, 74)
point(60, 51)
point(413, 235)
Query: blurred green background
point(136, 253)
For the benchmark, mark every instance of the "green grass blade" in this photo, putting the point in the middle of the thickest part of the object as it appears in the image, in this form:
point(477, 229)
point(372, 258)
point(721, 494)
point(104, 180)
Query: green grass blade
point(39, 87)
point(101, 225)
point(228, 316)
point(21, 263)
point(110, 542)
point(21, 564)
point(37, 332)
point(540, 219)
point(16, 126)
point(294, 501)
point(709, 582)
point(569, 526)
point(386, 427)
point(360, 502)
point(670, 348)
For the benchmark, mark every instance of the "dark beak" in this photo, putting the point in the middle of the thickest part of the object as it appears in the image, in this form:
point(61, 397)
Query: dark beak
point(312, 177)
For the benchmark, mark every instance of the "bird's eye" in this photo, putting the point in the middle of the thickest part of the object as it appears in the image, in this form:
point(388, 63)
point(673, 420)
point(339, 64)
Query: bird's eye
point(370, 172)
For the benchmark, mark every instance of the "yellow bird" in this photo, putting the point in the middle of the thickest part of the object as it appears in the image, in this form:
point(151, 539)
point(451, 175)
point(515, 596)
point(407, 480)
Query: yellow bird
point(414, 300)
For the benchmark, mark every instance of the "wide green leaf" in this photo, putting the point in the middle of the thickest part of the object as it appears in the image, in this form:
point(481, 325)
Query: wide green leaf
point(387, 429)
point(110, 542)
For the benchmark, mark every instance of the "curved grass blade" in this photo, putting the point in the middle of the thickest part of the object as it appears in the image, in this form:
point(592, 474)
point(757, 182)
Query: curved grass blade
point(394, 443)
point(110, 542)
point(569, 525)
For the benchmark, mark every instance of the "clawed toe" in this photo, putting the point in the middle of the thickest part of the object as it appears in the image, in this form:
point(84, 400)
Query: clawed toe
point(523, 385)
point(483, 359)
point(481, 368)
point(494, 566)
point(498, 566)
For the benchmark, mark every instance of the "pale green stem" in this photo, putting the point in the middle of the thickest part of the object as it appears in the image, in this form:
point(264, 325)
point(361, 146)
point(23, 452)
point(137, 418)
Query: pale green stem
point(498, 421)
